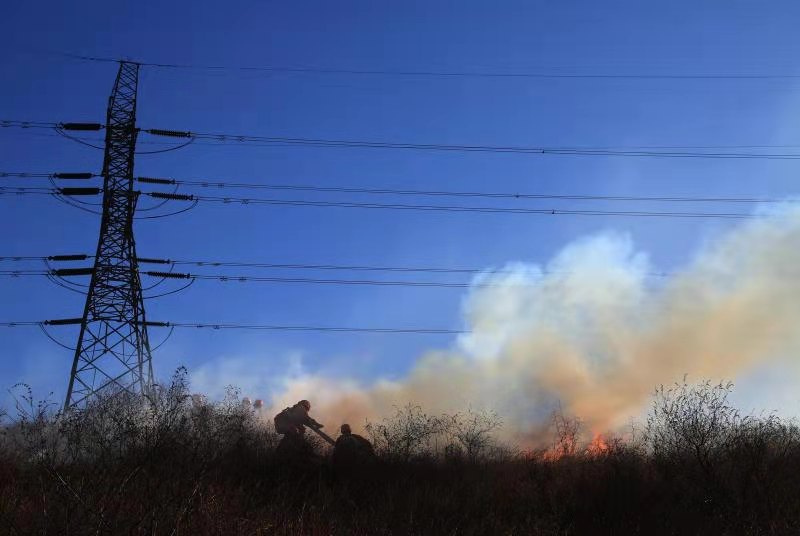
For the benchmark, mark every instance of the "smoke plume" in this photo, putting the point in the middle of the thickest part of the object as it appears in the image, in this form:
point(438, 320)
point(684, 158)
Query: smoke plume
point(594, 331)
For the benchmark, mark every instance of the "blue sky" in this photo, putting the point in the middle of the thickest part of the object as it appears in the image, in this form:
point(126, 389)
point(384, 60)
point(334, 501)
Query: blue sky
point(576, 37)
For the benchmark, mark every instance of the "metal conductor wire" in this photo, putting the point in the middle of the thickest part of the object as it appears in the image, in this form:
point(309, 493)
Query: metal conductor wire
point(439, 73)
point(276, 327)
point(187, 209)
point(186, 286)
point(476, 209)
point(77, 140)
point(49, 336)
point(162, 343)
point(430, 331)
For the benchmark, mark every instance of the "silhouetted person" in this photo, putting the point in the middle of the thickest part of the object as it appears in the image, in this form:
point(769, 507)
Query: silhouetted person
point(291, 423)
point(293, 420)
point(351, 450)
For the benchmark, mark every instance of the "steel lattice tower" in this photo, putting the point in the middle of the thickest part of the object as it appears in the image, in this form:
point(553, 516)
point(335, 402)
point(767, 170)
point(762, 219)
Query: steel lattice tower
point(113, 350)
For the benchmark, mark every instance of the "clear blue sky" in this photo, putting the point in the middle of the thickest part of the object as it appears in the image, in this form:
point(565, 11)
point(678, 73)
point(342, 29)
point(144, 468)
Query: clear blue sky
point(567, 37)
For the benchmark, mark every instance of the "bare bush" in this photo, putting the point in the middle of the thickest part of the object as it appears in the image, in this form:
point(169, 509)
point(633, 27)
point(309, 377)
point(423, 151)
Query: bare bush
point(409, 433)
point(128, 444)
point(471, 433)
point(171, 463)
point(691, 421)
point(567, 434)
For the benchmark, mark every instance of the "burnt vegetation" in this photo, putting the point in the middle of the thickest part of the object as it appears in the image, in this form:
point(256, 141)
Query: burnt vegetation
point(170, 465)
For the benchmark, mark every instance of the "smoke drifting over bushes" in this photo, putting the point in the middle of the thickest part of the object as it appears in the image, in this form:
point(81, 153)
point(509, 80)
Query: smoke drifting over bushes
point(595, 332)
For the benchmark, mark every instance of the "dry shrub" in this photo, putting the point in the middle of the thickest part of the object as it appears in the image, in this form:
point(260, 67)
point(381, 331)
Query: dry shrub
point(169, 463)
point(412, 434)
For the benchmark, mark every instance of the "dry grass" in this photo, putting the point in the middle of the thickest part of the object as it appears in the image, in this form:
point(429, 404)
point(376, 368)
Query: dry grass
point(166, 466)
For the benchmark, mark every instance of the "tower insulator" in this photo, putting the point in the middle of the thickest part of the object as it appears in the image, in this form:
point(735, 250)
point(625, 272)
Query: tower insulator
point(81, 126)
point(169, 275)
point(79, 191)
point(153, 180)
point(67, 257)
point(145, 260)
point(167, 195)
point(63, 321)
point(173, 133)
point(73, 175)
point(156, 324)
point(66, 272)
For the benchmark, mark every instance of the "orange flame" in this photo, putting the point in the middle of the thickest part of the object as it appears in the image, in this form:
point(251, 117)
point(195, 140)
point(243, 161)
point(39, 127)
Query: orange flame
point(598, 445)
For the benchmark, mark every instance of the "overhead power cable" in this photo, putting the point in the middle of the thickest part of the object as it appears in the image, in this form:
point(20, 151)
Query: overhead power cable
point(224, 138)
point(97, 143)
point(303, 266)
point(8, 123)
point(96, 140)
point(63, 273)
point(15, 174)
point(29, 190)
point(18, 273)
point(352, 267)
point(216, 184)
point(65, 195)
point(395, 330)
point(99, 146)
point(55, 258)
point(311, 280)
point(260, 327)
point(534, 150)
point(49, 336)
point(469, 209)
point(448, 74)
point(391, 206)
point(7, 258)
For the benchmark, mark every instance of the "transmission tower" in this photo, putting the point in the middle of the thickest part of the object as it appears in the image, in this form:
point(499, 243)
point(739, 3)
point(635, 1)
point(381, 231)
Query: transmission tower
point(113, 351)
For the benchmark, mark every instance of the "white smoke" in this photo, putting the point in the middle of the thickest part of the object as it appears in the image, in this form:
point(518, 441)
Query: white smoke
point(594, 331)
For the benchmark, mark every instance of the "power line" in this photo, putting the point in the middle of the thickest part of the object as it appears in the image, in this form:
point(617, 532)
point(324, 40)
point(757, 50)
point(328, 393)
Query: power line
point(429, 331)
point(65, 194)
point(217, 184)
point(16, 174)
point(362, 267)
point(61, 128)
point(261, 327)
point(27, 190)
point(18, 273)
point(18, 258)
point(254, 140)
point(9, 123)
point(309, 266)
point(412, 207)
point(291, 280)
point(449, 193)
point(444, 74)
point(243, 279)
point(535, 150)
point(468, 209)
point(311, 280)
point(95, 142)
point(405, 207)
point(581, 147)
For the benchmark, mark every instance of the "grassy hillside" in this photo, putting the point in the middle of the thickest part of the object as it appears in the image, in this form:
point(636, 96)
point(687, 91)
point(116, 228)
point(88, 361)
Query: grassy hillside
point(168, 466)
